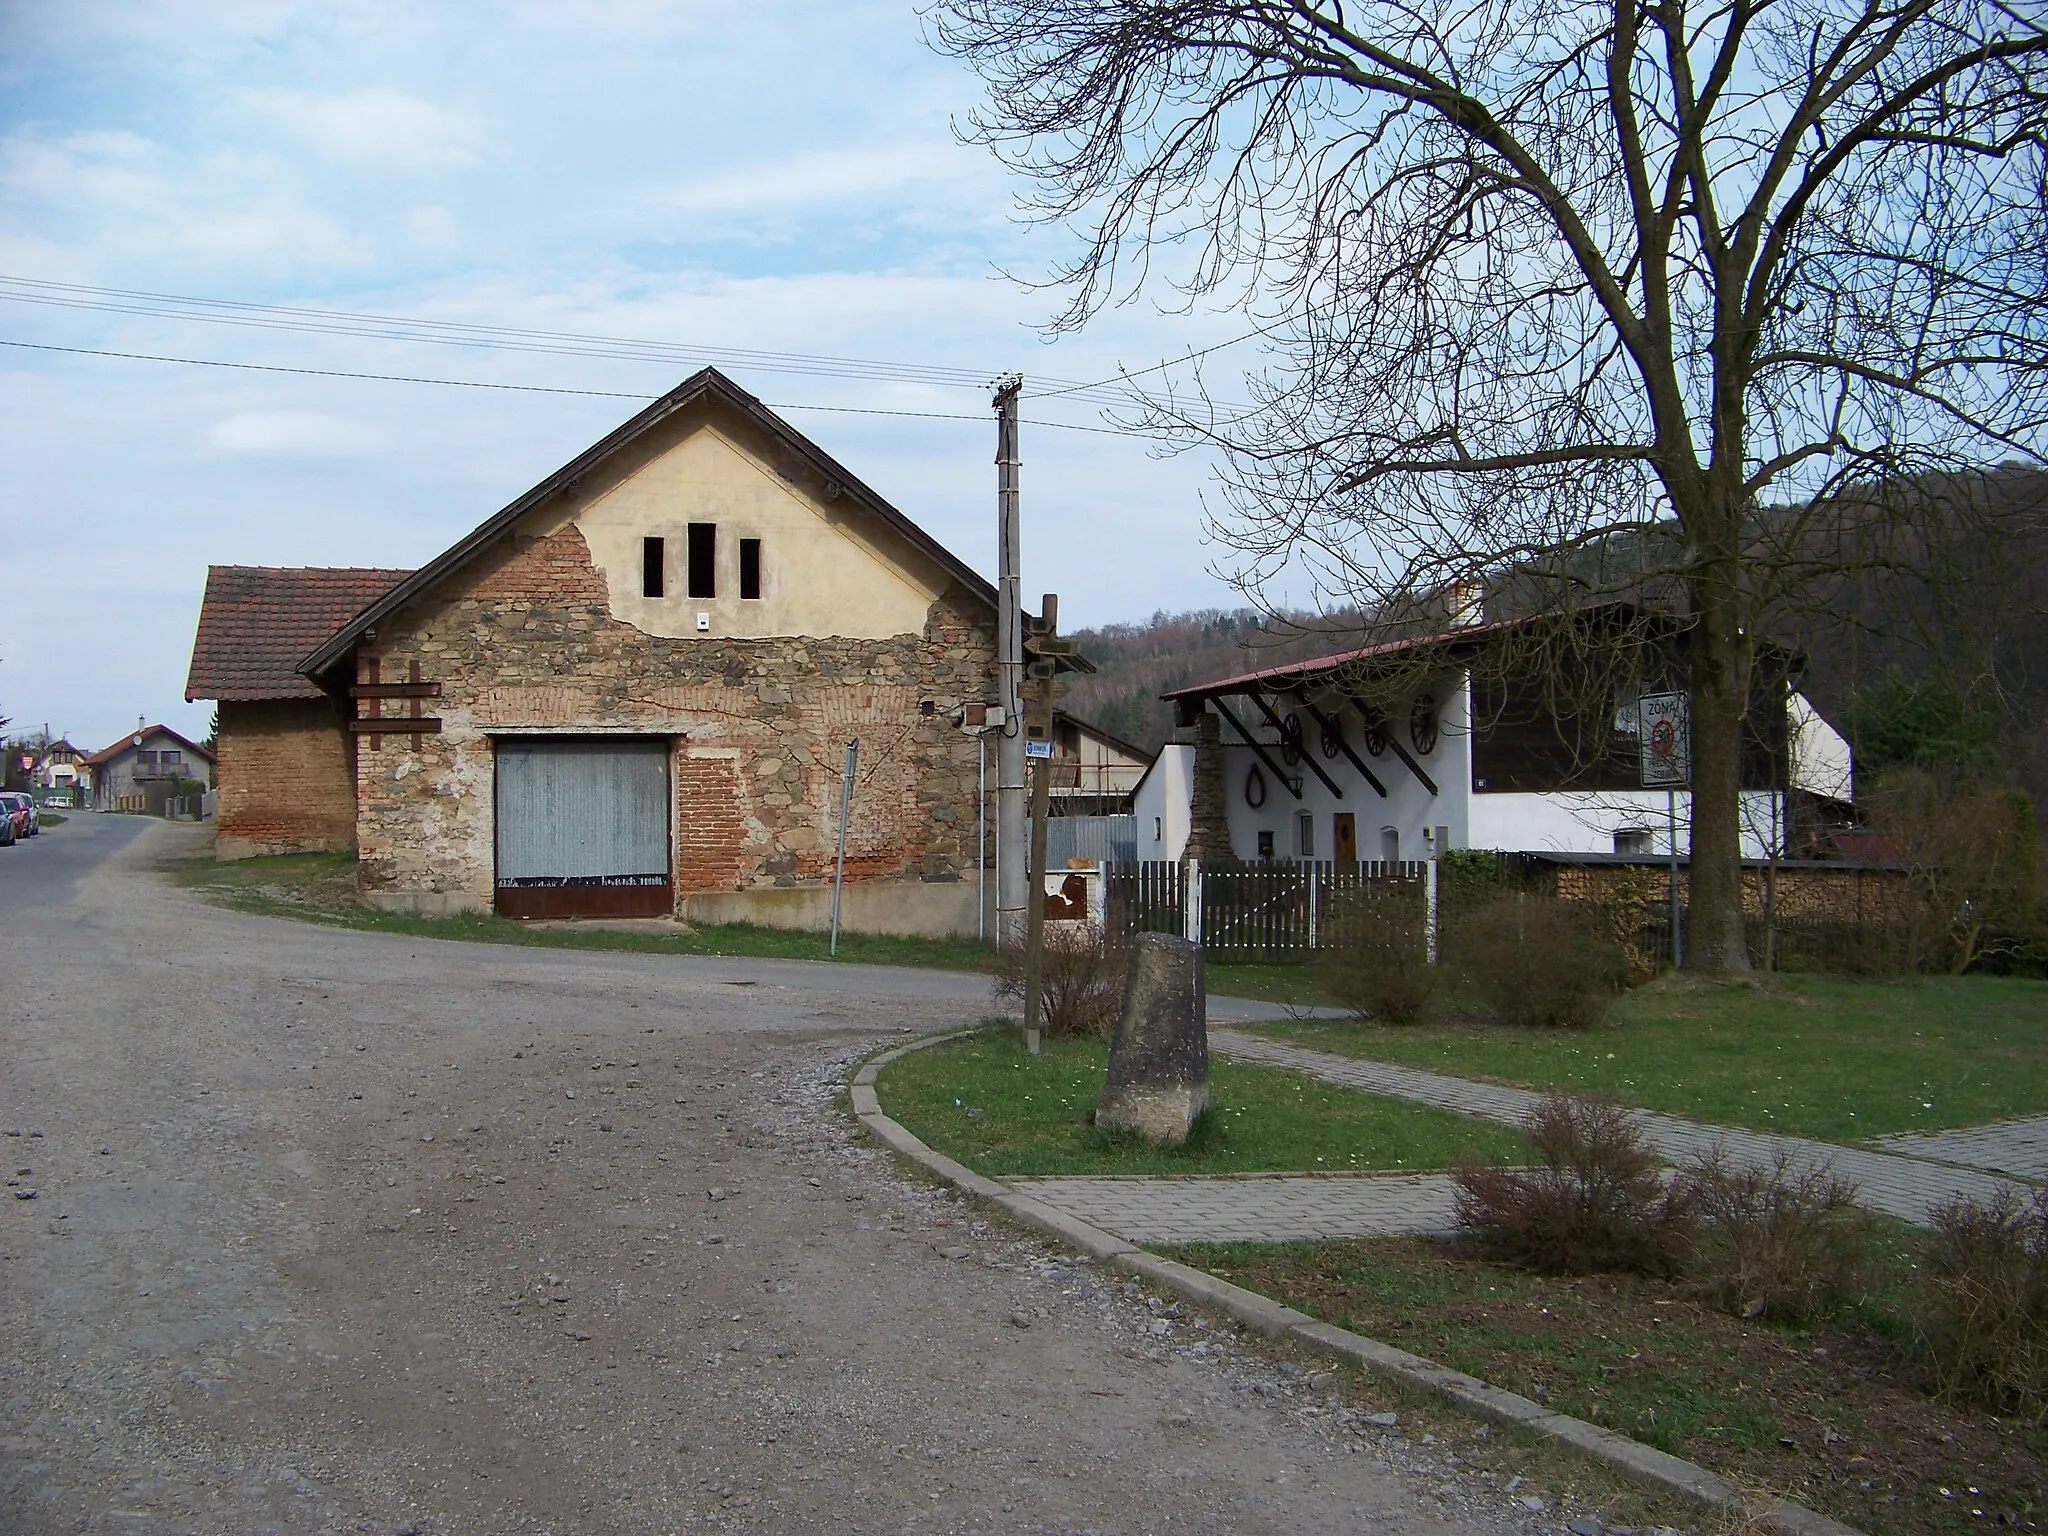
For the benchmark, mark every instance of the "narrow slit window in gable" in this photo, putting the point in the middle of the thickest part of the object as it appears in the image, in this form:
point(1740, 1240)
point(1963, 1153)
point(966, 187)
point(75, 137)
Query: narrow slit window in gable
point(703, 559)
point(653, 577)
point(750, 567)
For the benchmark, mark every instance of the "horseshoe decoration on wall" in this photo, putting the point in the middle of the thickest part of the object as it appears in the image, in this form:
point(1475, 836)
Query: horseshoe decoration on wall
point(1422, 725)
point(1255, 788)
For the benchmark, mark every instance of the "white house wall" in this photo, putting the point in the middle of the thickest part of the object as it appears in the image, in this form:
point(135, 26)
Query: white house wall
point(1526, 823)
point(1164, 804)
point(1822, 763)
point(1408, 808)
point(1586, 823)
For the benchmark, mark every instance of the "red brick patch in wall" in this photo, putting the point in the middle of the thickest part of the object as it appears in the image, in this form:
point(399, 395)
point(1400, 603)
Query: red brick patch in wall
point(709, 826)
point(555, 567)
point(285, 774)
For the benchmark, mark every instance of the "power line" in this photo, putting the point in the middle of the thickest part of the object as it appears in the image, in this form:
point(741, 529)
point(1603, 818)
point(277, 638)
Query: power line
point(1125, 375)
point(281, 317)
point(529, 389)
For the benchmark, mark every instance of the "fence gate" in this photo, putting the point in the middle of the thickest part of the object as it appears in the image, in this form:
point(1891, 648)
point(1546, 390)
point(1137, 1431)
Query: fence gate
point(583, 828)
point(1285, 910)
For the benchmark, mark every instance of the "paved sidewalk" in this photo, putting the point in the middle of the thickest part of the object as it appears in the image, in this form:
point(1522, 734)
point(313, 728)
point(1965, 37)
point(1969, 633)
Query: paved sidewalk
point(1900, 1186)
point(1255, 1208)
point(2018, 1147)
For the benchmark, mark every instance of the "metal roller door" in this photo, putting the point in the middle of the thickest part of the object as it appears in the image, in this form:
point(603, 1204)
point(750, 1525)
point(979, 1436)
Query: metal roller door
point(583, 827)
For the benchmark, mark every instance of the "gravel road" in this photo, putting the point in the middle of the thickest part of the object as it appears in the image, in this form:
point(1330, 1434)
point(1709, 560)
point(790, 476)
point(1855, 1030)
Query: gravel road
point(350, 1232)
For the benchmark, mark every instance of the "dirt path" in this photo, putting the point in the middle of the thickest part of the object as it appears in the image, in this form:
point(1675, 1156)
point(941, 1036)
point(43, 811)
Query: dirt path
point(342, 1231)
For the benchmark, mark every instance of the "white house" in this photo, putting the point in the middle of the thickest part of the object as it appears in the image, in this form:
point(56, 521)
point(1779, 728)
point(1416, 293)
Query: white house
point(1310, 771)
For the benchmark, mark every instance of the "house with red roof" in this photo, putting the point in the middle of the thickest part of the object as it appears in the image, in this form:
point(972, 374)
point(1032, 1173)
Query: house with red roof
point(629, 692)
point(148, 766)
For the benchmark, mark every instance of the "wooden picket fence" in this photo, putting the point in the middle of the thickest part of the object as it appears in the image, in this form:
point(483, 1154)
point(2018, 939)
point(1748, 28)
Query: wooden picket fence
point(1272, 911)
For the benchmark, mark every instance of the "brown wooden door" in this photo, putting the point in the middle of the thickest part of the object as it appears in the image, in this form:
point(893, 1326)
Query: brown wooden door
point(1347, 838)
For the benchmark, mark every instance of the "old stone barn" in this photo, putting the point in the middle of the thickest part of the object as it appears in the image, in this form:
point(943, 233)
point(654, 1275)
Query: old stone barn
point(628, 693)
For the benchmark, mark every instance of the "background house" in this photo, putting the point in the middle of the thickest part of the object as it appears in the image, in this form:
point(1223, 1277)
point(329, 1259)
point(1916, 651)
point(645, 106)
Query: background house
point(60, 773)
point(1415, 746)
point(147, 767)
point(1093, 771)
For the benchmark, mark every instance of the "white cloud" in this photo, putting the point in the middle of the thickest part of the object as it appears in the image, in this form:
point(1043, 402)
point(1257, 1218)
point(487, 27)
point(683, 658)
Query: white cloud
point(291, 434)
point(122, 202)
point(380, 130)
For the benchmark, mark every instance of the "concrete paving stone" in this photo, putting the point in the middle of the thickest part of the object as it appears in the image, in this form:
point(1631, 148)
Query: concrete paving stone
point(1900, 1186)
point(2017, 1147)
point(1282, 1208)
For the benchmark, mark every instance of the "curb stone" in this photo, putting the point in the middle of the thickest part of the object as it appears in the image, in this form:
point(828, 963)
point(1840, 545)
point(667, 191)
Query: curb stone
point(1644, 1463)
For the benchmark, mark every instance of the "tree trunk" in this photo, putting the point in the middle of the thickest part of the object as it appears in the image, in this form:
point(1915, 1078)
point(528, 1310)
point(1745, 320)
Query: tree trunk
point(1720, 697)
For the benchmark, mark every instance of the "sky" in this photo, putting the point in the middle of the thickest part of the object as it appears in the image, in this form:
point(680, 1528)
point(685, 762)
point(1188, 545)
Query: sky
point(775, 178)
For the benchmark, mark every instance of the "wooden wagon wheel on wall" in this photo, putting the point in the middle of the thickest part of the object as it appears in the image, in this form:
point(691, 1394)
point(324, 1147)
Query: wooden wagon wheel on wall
point(1290, 740)
point(1422, 725)
point(1375, 732)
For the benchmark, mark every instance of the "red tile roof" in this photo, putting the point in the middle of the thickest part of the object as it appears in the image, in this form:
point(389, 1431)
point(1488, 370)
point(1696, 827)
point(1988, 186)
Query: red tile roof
point(1296, 671)
point(106, 755)
point(258, 622)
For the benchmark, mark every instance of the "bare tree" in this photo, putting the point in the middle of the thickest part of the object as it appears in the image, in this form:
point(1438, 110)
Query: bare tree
point(1544, 274)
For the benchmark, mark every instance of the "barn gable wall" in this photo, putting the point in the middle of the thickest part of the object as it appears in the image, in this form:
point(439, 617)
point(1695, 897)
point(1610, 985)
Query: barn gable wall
point(523, 640)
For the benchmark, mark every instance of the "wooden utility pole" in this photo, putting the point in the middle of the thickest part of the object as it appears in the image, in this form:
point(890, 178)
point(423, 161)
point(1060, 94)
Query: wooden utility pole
point(1012, 878)
point(1044, 666)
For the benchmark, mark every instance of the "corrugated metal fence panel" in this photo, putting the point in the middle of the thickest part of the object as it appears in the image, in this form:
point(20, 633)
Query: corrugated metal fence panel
point(1098, 839)
point(582, 810)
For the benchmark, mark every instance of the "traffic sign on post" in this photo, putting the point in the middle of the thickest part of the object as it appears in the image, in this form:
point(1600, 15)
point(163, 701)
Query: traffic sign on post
point(1664, 729)
point(1664, 732)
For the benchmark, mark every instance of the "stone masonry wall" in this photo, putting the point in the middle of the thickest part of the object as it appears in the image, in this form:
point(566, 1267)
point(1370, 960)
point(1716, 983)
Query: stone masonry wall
point(522, 642)
point(286, 783)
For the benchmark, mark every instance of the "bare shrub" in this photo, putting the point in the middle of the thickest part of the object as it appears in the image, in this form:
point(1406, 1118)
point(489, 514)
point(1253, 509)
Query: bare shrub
point(1540, 962)
point(1781, 1241)
point(1972, 857)
point(1596, 1201)
point(1982, 1308)
point(1080, 981)
point(1383, 971)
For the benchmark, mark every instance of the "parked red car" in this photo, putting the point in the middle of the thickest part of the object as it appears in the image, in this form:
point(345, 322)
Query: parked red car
point(21, 810)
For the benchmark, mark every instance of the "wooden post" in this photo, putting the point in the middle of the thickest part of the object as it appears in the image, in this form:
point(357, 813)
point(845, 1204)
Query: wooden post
point(1041, 801)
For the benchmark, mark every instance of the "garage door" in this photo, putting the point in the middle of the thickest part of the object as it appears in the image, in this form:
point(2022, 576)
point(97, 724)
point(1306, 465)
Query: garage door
point(583, 828)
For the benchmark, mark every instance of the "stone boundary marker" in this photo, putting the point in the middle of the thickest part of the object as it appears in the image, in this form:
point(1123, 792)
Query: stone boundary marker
point(1644, 1463)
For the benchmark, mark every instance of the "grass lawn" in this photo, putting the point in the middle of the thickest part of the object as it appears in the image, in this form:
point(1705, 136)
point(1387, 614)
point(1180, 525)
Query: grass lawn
point(1806, 1055)
point(1294, 985)
point(986, 1102)
point(1830, 1414)
point(320, 887)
